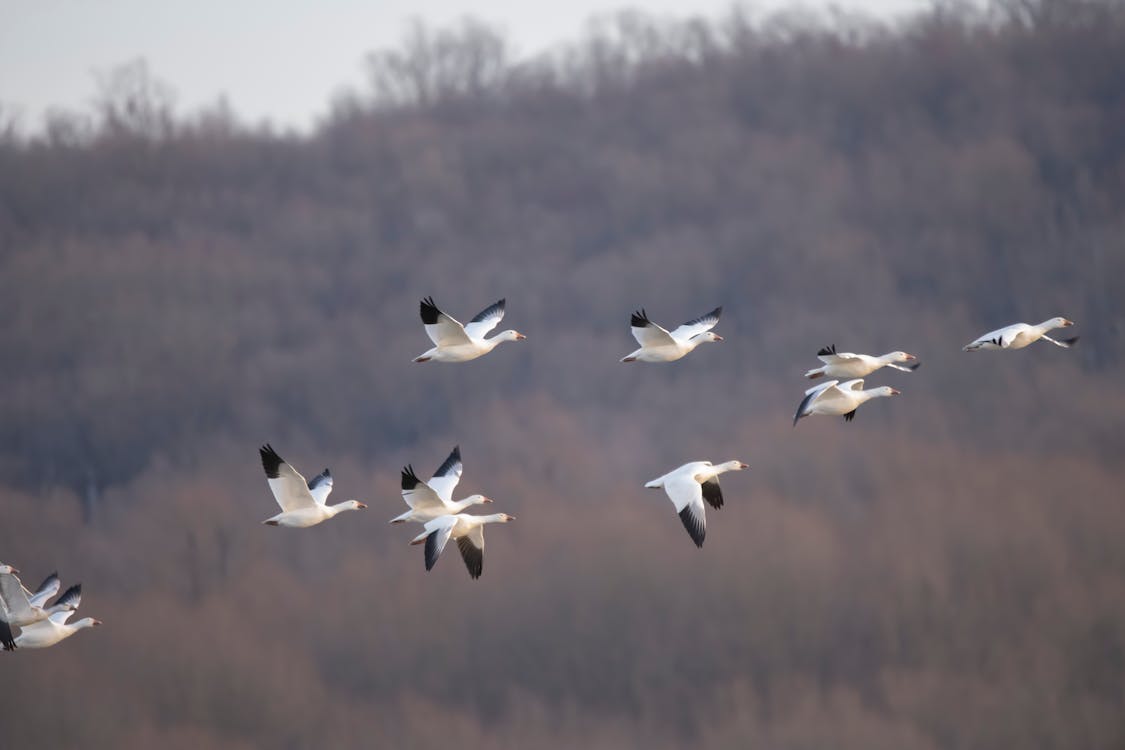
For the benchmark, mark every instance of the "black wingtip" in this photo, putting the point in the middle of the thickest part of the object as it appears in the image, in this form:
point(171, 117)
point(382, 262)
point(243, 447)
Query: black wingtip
point(70, 594)
point(713, 493)
point(849, 416)
point(6, 639)
point(410, 480)
point(452, 460)
point(271, 462)
point(47, 581)
point(914, 366)
point(429, 311)
point(639, 319)
point(1071, 341)
point(431, 550)
point(825, 351)
point(473, 557)
point(696, 530)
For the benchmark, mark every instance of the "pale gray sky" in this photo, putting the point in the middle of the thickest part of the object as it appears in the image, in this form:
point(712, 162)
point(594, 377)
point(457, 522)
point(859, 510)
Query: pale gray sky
point(273, 59)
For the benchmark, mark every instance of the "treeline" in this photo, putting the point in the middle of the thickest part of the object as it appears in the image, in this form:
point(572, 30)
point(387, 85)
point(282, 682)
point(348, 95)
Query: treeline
point(946, 571)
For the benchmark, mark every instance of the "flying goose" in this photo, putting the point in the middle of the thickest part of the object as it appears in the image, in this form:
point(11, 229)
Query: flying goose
point(49, 631)
point(302, 503)
point(848, 365)
point(658, 345)
point(1019, 335)
point(20, 608)
point(839, 400)
point(689, 486)
point(428, 500)
point(454, 342)
point(469, 533)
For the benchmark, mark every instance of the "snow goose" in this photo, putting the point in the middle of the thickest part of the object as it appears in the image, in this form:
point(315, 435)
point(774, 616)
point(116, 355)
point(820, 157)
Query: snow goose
point(1019, 335)
point(848, 365)
point(469, 533)
point(302, 503)
point(689, 486)
point(20, 608)
point(55, 628)
point(428, 500)
point(658, 345)
point(454, 342)
point(835, 399)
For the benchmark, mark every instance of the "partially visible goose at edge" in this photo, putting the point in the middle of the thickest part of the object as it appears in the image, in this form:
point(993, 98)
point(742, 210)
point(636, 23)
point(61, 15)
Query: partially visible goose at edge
point(469, 533)
point(1019, 335)
point(837, 399)
point(428, 500)
point(20, 608)
point(848, 365)
point(689, 486)
point(454, 342)
point(660, 345)
point(55, 628)
point(302, 503)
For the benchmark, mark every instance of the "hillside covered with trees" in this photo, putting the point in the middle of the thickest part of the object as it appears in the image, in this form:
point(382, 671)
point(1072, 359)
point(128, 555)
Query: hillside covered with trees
point(947, 571)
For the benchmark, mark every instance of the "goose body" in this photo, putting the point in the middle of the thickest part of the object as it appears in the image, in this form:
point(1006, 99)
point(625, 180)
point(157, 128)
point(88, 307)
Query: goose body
point(469, 533)
point(689, 486)
point(303, 503)
point(848, 365)
point(454, 342)
point(429, 500)
point(22, 608)
point(660, 345)
point(839, 399)
point(1019, 335)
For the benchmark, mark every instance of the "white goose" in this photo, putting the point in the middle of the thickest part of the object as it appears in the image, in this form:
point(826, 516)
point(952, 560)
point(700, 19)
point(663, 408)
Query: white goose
point(55, 628)
point(20, 608)
point(428, 500)
point(688, 486)
point(1019, 335)
point(454, 342)
point(659, 345)
point(848, 365)
point(839, 400)
point(469, 533)
point(302, 503)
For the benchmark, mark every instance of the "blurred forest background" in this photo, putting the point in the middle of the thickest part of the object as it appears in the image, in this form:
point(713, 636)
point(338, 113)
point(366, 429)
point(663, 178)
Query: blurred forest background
point(948, 571)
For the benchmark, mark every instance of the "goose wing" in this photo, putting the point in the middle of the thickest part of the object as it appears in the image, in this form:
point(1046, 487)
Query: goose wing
point(686, 495)
point(697, 326)
point(71, 598)
point(288, 486)
point(447, 476)
point(647, 333)
point(320, 487)
point(417, 494)
point(442, 329)
point(472, 551)
point(811, 395)
point(485, 320)
point(829, 356)
point(1002, 337)
point(440, 529)
point(17, 605)
point(50, 586)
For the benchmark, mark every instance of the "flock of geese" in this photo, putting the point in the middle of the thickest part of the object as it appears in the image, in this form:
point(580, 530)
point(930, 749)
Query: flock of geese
point(304, 502)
